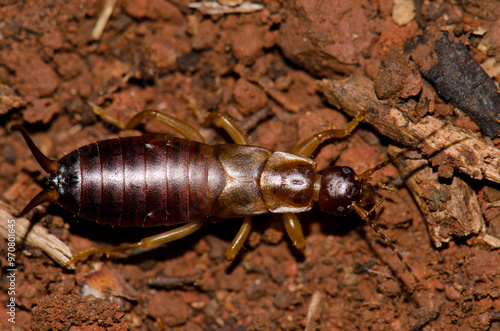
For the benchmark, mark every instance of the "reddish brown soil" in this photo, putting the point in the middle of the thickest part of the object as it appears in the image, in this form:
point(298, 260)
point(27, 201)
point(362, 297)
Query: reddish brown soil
point(160, 54)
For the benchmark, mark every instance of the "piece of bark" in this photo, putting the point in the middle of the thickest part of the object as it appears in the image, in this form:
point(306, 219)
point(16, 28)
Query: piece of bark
point(458, 78)
point(37, 237)
point(451, 208)
point(450, 148)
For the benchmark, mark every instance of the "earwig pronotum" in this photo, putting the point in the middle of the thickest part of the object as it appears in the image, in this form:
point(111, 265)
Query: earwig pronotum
point(154, 180)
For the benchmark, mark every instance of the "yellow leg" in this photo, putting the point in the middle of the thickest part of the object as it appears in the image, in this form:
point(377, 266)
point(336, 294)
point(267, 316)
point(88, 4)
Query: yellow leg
point(181, 127)
point(240, 239)
point(218, 119)
point(223, 121)
point(294, 230)
point(308, 146)
point(156, 240)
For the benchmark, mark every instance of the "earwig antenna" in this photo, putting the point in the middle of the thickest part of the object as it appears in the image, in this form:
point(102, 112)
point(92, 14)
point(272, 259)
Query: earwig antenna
point(379, 166)
point(366, 176)
point(365, 216)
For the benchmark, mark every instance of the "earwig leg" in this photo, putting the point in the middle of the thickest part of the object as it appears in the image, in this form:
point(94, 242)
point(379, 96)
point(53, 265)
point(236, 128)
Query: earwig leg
point(220, 120)
point(364, 215)
point(155, 240)
point(374, 208)
point(223, 121)
point(308, 146)
point(294, 230)
point(240, 239)
point(181, 127)
point(99, 111)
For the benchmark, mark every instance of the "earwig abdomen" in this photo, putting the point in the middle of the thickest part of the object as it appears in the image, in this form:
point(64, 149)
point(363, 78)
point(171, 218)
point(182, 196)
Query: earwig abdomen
point(141, 181)
point(162, 180)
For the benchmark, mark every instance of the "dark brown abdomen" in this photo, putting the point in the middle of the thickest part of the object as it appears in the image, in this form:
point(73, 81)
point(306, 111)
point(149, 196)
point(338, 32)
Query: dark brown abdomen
point(141, 181)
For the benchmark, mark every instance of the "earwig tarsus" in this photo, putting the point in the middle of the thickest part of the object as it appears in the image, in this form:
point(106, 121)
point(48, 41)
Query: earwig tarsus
point(156, 180)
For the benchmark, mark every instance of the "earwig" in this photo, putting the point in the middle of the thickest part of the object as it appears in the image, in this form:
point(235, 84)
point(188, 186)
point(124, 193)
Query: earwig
point(154, 180)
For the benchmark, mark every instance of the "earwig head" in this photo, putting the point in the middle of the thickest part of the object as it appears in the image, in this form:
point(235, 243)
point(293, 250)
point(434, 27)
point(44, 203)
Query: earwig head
point(340, 188)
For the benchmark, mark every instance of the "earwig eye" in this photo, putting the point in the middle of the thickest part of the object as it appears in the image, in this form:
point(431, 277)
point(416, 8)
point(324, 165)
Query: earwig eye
point(347, 170)
point(340, 188)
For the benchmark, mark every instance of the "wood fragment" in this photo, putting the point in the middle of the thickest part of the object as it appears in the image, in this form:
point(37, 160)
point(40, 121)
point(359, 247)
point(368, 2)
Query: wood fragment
point(102, 20)
point(314, 311)
point(254, 119)
point(215, 8)
point(230, 3)
point(493, 242)
point(37, 237)
point(171, 282)
point(281, 98)
point(451, 148)
point(451, 208)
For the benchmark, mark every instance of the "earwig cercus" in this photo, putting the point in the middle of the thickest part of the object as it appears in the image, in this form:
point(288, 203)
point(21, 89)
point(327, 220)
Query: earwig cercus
point(154, 180)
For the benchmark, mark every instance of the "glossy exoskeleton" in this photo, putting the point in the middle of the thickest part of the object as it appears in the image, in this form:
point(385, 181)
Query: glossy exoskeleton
point(154, 180)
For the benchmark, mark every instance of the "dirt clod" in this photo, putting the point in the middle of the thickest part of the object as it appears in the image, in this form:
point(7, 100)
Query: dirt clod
point(397, 77)
point(60, 311)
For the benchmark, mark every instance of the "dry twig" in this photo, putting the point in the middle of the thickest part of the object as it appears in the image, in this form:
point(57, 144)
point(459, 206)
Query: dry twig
point(102, 20)
point(37, 237)
point(215, 8)
point(314, 311)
